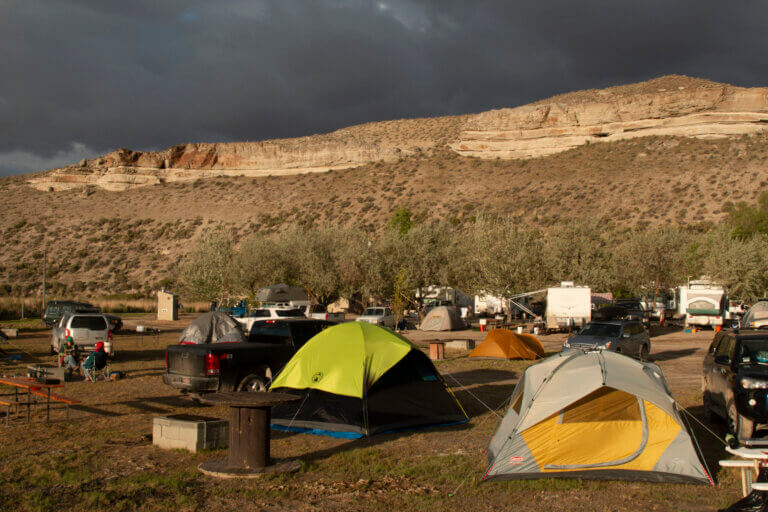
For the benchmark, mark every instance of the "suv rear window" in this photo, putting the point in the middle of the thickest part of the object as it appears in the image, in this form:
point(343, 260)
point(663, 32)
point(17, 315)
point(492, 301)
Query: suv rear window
point(93, 323)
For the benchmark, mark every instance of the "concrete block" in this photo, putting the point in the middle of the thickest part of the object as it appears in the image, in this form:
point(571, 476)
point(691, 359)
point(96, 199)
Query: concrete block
point(460, 345)
point(193, 433)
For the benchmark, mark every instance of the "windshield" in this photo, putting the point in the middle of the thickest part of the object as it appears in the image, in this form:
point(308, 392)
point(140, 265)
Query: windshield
point(373, 312)
point(754, 351)
point(601, 330)
point(290, 312)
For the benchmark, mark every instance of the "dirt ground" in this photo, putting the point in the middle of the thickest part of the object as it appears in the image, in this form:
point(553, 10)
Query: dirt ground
point(104, 458)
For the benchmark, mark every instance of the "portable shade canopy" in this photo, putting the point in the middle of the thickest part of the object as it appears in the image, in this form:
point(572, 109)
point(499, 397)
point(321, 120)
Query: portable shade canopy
point(442, 318)
point(595, 415)
point(357, 379)
point(505, 344)
point(280, 293)
point(212, 327)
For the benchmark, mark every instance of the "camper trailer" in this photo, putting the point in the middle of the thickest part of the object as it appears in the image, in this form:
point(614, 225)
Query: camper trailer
point(568, 306)
point(702, 303)
point(488, 305)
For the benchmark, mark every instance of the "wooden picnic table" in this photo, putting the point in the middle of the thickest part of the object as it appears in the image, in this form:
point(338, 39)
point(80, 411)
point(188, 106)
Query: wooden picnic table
point(31, 386)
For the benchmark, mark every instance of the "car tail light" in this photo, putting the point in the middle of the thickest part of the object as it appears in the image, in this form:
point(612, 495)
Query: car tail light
point(67, 333)
point(186, 343)
point(326, 316)
point(212, 365)
point(270, 321)
point(109, 336)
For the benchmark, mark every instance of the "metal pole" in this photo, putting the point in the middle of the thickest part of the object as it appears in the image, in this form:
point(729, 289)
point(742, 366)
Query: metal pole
point(45, 271)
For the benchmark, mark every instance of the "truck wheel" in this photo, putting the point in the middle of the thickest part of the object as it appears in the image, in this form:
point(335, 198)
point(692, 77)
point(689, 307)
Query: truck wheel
point(256, 382)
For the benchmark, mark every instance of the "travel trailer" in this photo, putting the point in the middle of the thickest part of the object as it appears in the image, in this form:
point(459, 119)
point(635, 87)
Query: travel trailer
point(568, 306)
point(702, 303)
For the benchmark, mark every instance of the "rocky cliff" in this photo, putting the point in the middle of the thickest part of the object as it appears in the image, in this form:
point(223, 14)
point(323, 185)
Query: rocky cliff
point(673, 105)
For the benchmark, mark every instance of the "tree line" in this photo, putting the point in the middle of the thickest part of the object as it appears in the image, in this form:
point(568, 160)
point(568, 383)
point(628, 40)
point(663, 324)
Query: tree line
point(498, 256)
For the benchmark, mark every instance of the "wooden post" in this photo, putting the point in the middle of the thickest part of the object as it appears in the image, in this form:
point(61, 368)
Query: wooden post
point(249, 437)
point(436, 350)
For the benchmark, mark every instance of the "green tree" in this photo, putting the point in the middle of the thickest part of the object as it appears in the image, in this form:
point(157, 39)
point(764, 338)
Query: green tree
point(402, 220)
point(206, 269)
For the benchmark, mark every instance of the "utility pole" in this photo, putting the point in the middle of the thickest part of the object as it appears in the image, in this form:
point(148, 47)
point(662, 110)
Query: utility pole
point(45, 271)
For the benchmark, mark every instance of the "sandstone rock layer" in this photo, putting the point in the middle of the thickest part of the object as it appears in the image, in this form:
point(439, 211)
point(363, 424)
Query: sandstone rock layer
point(672, 105)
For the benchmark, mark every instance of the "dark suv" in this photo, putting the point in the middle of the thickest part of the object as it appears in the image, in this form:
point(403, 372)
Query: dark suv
point(56, 309)
point(735, 379)
point(625, 337)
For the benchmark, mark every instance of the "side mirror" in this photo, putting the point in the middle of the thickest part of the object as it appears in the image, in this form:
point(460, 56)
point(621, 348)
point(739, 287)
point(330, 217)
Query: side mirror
point(722, 360)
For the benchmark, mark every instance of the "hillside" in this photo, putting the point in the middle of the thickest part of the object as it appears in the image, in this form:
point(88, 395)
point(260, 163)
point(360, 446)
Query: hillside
point(102, 241)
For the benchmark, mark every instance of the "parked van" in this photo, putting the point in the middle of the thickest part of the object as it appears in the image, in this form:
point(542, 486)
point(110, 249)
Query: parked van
point(86, 330)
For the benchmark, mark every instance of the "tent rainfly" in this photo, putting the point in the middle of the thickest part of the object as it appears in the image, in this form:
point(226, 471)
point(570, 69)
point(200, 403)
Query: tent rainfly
point(594, 415)
point(442, 318)
point(505, 344)
point(212, 327)
point(357, 379)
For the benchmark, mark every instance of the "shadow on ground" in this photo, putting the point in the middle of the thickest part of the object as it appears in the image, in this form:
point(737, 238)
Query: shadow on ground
point(673, 354)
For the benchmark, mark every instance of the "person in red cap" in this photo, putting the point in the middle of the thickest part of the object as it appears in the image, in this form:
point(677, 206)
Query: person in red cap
point(96, 361)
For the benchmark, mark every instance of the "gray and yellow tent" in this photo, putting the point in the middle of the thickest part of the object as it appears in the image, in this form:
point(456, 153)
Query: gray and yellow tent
point(596, 415)
point(442, 318)
point(358, 379)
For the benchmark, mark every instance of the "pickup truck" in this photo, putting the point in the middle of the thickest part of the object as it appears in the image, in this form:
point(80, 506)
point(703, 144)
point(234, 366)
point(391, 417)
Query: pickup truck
point(249, 366)
point(378, 316)
point(320, 312)
point(267, 313)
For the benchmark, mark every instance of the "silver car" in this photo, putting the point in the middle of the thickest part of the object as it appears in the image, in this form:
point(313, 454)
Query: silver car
point(625, 337)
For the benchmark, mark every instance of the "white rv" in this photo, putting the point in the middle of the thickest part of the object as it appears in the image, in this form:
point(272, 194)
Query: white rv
point(489, 305)
point(702, 303)
point(568, 306)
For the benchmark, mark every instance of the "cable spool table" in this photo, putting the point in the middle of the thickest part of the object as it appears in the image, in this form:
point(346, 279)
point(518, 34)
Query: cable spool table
point(249, 419)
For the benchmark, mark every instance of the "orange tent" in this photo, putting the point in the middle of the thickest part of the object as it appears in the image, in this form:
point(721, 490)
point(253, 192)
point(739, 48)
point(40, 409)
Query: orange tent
point(505, 344)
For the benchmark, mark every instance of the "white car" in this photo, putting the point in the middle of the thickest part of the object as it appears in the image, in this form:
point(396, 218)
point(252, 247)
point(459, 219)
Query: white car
point(264, 314)
point(378, 316)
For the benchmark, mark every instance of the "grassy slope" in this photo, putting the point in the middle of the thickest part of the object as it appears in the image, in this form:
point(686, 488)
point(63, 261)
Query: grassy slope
point(137, 235)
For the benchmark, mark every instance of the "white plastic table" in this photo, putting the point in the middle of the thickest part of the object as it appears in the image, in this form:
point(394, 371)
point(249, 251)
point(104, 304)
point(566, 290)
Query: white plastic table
point(751, 458)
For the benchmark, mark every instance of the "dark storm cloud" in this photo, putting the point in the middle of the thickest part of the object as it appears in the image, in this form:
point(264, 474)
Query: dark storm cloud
point(83, 77)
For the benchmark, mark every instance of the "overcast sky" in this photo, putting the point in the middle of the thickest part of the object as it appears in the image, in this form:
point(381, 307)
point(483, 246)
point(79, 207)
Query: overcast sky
point(80, 78)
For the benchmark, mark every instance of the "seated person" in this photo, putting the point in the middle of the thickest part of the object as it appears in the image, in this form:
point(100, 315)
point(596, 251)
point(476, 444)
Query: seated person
point(97, 360)
point(68, 356)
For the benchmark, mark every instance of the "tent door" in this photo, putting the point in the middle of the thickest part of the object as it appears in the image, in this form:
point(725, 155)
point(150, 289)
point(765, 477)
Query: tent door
point(629, 458)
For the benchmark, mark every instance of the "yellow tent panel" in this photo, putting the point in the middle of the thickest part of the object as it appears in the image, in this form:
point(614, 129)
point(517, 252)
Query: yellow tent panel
point(603, 428)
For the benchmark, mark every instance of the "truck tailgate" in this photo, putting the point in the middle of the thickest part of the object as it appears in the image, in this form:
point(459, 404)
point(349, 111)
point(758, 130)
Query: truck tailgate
point(184, 361)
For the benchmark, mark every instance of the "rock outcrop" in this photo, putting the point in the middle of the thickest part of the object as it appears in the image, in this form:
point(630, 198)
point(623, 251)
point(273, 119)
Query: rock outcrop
point(673, 105)
point(660, 107)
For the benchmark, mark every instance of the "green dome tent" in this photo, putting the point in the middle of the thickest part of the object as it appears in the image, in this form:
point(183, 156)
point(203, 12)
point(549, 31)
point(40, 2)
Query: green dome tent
point(358, 379)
